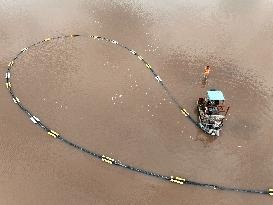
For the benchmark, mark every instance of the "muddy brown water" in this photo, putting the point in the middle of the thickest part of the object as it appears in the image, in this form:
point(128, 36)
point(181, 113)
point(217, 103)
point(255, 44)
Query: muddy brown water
point(99, 96)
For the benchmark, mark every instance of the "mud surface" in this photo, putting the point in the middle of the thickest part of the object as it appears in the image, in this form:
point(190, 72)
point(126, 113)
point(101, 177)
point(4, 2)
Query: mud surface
point(99, 96)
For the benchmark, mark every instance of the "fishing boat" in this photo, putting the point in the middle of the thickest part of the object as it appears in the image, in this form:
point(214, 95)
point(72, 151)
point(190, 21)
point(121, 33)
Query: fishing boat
point(212, 112)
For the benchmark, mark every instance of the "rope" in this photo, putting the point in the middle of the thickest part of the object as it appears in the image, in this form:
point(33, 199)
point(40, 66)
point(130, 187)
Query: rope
point(107, 159)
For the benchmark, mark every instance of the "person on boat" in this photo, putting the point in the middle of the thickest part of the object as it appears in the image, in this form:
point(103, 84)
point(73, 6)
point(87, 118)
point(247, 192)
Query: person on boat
point(206, 72)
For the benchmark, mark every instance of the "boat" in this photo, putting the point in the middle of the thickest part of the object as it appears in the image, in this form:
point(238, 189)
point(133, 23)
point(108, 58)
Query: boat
point(212, 112)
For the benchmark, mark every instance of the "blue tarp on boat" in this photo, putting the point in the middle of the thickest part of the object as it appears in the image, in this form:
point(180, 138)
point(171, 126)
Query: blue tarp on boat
point(215, 95)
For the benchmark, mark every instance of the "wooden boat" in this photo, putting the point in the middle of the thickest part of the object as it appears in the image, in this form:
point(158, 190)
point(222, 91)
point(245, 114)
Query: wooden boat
point(212, 112)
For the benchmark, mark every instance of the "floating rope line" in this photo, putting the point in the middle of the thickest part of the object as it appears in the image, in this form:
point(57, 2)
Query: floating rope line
point(107, 159)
